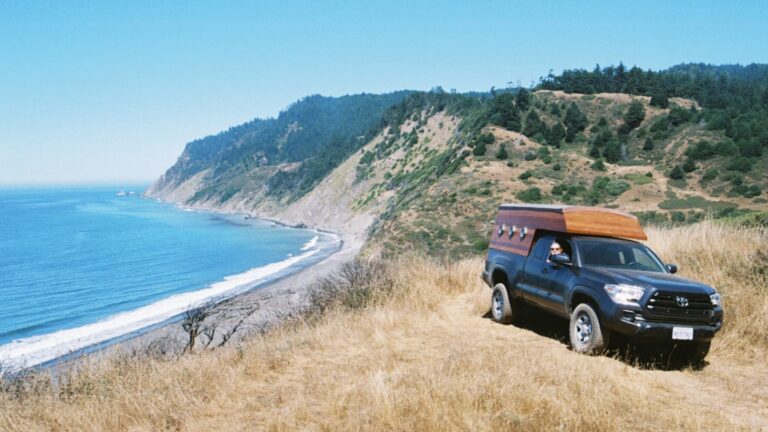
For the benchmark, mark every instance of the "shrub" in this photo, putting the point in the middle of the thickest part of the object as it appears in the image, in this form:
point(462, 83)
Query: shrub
point(616, 187)
point(659, 99)
point(709, 175)
point(677, 216)
point(677, 173)
point(502, 152)
point(648, 145)
point(479, 149)
point(612, 152)
point(525, 176)
point(529, 156)
point(530, 195)
point(598, 165)
point(741, 163)
point(678, 116)
point(634, 115)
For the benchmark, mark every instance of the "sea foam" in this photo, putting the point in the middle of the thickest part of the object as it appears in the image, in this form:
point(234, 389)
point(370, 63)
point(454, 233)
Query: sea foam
point(36, 350)
point(310, 244)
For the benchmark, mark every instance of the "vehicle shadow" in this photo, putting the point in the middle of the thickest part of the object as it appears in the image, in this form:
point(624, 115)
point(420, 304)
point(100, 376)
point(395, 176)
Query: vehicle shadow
point(646, 357)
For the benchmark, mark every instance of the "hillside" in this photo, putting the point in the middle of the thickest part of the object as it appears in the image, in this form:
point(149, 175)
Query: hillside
point(425, 171)
point(406, 345)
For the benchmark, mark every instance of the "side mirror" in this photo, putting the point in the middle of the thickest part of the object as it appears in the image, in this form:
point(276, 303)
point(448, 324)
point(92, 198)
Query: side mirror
point(560, 259)
point(671, 268)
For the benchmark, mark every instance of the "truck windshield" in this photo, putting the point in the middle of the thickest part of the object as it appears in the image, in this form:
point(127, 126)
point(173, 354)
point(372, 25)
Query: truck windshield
point(625, 255)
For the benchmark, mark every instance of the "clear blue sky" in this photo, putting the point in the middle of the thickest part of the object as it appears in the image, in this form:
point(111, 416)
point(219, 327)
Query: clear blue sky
point(111, 91)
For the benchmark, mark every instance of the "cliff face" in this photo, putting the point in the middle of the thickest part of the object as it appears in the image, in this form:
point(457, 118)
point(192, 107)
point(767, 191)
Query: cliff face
point(275, 158)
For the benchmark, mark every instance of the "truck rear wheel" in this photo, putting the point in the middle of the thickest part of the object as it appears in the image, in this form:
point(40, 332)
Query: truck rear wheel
point(586, 334)
point(501, 308)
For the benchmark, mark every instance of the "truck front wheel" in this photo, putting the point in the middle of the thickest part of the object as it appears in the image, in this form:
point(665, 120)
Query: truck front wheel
point(501, 308)
point(586, 334)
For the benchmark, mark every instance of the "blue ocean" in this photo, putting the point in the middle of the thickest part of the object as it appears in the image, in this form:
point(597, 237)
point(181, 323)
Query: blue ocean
point(81, 266)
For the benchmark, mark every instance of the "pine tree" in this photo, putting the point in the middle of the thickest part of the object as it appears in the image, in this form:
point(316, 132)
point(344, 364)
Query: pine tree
point(634, 115)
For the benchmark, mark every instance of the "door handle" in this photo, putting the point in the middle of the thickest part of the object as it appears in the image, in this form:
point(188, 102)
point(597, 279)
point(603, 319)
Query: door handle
point(544, 270)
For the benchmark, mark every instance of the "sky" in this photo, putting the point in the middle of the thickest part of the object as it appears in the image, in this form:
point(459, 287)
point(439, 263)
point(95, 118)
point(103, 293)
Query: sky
point(111, 91)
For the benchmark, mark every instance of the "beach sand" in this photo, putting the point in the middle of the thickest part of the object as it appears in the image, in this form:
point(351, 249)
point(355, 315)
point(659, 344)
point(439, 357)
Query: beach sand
point(233, 320)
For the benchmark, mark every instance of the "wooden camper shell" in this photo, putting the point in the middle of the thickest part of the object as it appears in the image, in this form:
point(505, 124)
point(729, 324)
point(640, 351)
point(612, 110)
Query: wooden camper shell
point(516, 224)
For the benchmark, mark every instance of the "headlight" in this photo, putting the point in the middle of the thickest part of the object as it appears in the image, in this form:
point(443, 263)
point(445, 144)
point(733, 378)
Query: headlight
point(627, 294)
point(716, 300)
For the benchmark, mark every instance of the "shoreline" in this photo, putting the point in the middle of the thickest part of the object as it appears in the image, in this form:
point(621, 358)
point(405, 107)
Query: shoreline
point(251, 308)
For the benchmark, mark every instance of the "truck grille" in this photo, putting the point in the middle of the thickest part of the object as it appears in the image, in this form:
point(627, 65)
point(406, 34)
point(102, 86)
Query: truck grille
point(663, 305)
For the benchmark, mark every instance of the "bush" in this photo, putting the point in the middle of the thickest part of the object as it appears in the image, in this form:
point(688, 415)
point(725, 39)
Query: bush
point(598, 165)
point(678, 116)
point(677, 216)
point(677, 173)
point(741, 163)
point(634, 115)
point(529, 156)
point(701, 150)
point(648, 145)
point(659, 99)
point(709, 175)
point(479, 149)
point(525, 176)
point(502, 152)
point(616, 187)
point(530, 195)
point(689, 165)
point(612, 152)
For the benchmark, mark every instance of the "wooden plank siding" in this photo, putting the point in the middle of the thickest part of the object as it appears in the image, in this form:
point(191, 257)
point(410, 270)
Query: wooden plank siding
point(567, 219)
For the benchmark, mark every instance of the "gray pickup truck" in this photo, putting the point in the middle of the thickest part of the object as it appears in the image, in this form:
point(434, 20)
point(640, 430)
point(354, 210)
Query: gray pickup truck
point(598, 277)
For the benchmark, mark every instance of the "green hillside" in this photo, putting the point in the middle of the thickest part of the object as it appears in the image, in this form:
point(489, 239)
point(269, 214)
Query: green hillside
point(672, 146)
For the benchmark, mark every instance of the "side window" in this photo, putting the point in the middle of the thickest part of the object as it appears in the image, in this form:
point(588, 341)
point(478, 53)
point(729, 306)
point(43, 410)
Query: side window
point(566, 245)
point(541, 248)
point(644, 260)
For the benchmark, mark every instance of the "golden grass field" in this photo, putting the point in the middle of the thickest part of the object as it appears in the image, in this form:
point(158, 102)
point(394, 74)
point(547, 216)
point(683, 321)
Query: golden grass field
point(417, 353)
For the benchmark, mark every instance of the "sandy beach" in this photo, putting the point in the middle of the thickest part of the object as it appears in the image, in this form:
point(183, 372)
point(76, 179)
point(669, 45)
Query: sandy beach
point(229, 321)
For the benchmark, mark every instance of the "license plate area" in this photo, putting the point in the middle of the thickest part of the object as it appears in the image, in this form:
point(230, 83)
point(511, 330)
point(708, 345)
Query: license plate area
point(682, 333)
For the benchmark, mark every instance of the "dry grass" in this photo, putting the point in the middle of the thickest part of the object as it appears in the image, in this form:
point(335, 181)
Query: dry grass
point(418, 355)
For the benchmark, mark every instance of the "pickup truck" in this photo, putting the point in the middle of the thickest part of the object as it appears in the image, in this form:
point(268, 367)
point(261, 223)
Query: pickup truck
point(603, 280)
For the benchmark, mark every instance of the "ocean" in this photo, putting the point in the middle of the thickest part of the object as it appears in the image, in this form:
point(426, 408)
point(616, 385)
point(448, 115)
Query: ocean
point(83, 266)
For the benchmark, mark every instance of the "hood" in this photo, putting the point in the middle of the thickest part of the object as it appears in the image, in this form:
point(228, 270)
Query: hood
point(661, 281)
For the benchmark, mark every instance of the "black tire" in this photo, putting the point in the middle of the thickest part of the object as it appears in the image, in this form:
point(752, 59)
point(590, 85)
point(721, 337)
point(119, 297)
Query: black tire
point(693, 353)
point(586, 334)
point(501, 307)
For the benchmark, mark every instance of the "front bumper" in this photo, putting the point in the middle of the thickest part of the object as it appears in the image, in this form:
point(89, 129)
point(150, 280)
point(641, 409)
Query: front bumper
point(632, 324)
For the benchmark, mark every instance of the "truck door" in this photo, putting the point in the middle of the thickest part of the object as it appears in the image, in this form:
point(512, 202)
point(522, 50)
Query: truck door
point(558, 279)
point(533, 286)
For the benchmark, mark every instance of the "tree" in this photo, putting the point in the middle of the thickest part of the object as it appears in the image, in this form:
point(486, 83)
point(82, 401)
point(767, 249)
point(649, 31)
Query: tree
point(555, 135)
point(502, 152)
point(575, 122)
point(523, 99)
point(659, 99)
point(533, 124)
point(612, 152)
point(634, 115)
point(504, 112)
